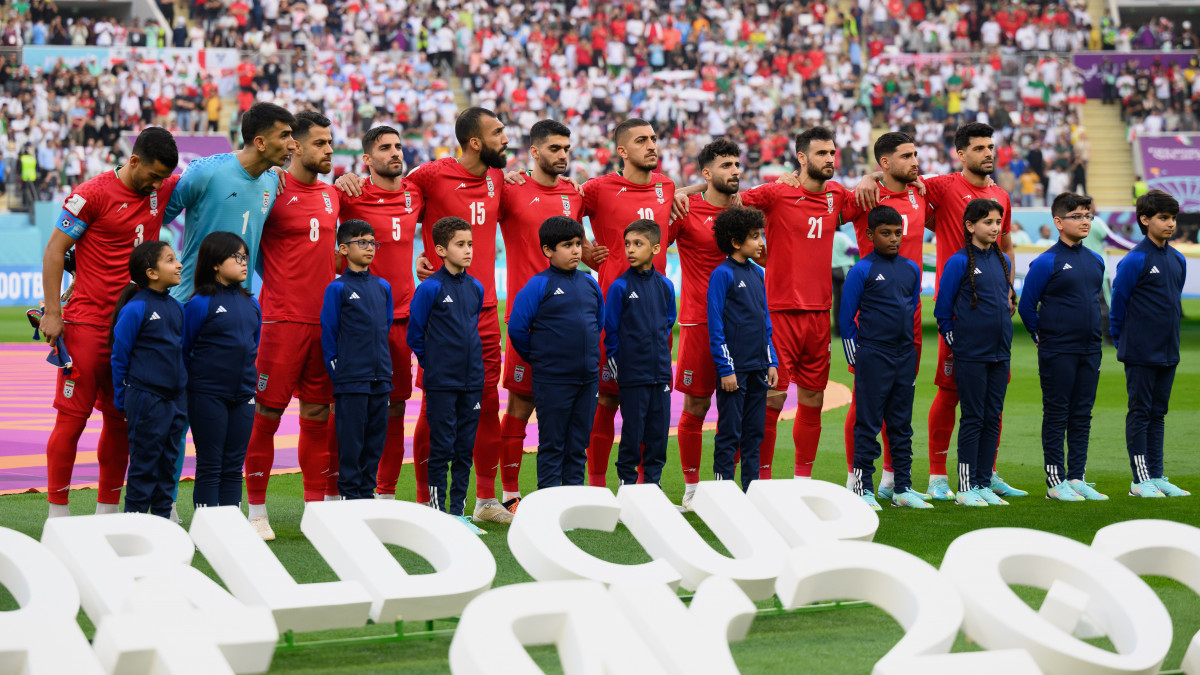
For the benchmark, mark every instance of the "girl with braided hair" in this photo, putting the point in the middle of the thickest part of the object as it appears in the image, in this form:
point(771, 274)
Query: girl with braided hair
point(974, 316)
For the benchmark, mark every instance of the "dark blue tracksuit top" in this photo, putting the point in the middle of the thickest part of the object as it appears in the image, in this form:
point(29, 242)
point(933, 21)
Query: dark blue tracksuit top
point(983, 333)
point(355, 319)
point(443, 331)
point(1065, 282)
point(1146, 307)
point(555, 326)
point(883, 291)
point(638, 316)
point(147, 350)
point(739, 325)
point(220, 343)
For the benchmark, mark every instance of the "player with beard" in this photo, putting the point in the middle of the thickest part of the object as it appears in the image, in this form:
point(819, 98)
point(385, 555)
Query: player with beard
point(696, 374)
point(523, 208)
point(948, 196)
point(612, 202)
point(393, 206)
point(298, 263)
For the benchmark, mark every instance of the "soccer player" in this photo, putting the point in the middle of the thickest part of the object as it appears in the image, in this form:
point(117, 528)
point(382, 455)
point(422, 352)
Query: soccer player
point(948, 196)
point(393, 206)
point(612, 202)
point(699, 255)
point(298, 263)
point(104, 219)
point(801, 222)
point(523, 209)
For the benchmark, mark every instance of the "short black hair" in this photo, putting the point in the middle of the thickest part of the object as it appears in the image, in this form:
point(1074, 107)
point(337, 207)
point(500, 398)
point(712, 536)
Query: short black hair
point(261, 117)
point(647, 227)
point(371, 138)
point(1068, 202)
point(444, 229)
point(557, 229)
point(1153, 203)
point(962, 137)
point(623, 129)
point(156, 144)
point(888, 143)
point(722, 147)
point(305, 121)
point(352, 229)
point(215, 249)
point(883, 215)
point(470, 124)
point(545, 129)
point(806, 137)
point(735, 224)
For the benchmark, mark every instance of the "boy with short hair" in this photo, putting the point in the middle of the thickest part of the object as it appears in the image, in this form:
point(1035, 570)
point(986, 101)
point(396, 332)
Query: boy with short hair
point(881, 294)
point(555, 326)
point(739, 335)
point(1060, 306)
point(638, 315)
point(1144, 322)
point(355, 318)
point(443, 332)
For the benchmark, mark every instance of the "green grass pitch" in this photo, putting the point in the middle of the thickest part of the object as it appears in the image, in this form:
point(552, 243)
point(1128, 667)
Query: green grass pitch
point(843, 641)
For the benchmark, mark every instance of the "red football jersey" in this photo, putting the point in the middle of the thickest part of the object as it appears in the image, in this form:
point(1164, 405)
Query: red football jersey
point(298, 245)
point(451, 190)
point(107, 221)
point(948, 196)
point(394, 216)
point(911, 205)
point(523, 209)
point(698, 257)
point(612, 202)
point(800, 229)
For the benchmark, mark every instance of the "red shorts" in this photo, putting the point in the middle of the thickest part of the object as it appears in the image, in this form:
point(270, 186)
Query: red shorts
point(291, 363)
point(402, 380)
point(802, 344)
point(489, 334)
point(695, 371)
point(518, 375)
point(916, 338)
point(89, 382)
point(607, 384)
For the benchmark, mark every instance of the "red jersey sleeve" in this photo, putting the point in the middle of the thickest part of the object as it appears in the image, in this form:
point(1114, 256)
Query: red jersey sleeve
point(762, 197)
point(591, 196)
point(936, 188)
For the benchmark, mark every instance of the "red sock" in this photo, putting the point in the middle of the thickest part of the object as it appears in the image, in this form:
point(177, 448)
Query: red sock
point(421, 456)
point(766, 451)
point(887, 449)
point(512, 448)
point(806, 434)
point(331, 474)
point(691, 442)
point(601, 445)
point(60, 455)
point(941, 426)
point(313, 453)
point(487, 446)
point(393, 456)
point(848, 432)
point(260, 455)
point(112, 453)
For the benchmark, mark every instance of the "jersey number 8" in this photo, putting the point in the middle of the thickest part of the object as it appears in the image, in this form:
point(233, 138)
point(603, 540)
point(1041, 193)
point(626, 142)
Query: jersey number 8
point(314, 229)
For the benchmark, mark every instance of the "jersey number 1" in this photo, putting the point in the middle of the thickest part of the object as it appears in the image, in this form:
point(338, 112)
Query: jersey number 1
point(245, 222)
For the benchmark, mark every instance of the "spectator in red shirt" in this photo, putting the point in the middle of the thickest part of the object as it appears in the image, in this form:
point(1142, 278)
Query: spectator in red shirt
point(245, 74)
point(916, 11)
point(162, 109)
point(875, 47)
point(240, 11)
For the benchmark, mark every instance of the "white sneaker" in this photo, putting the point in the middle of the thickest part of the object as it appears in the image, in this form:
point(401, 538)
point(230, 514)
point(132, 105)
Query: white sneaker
point(491, 511)
point(175, 514)
point(263, 528)
point(689, 493)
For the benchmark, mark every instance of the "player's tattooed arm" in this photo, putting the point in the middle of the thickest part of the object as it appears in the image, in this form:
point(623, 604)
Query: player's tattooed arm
point(350, 183)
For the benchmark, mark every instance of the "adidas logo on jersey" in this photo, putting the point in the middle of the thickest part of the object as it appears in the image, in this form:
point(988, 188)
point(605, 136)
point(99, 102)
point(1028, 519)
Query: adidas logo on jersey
point(154, 316)
point(448, 299)
point(880, 278)
point(1154, 270)
point(477, 406)
point(558, 291)
point(293, 200)
point(354, 296)
point(633, 295)
point(1067, 266)
point(978, 271)
point(741, 284)
point(220, 309)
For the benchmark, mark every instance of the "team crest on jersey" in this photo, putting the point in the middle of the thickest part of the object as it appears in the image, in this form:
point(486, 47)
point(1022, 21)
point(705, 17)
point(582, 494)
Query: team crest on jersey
point(491, 188)
point(519, 373)
point(687, 378)
point(266, 202)
point(328, 204)
point(912, 199)
point(69, 389)
point(408, 202)
point(605, 375)
point(154, 203)
point(948, 368)
point(262, 381)
point(658, 192)
point(566, 206)
point(829, 200)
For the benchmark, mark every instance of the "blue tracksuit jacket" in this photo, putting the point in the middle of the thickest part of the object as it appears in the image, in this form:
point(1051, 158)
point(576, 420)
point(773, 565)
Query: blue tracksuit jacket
point(555, 326)
point(883, 291)
point(355, 319)
point(739, 325)
point(443, 331)
point(983, 333)
point(1060, 302)
point(1146, 307)
point(638, 315)
point(147, 350)
point(220, 343)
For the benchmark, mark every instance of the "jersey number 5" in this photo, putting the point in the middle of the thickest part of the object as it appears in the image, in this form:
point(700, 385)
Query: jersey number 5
point(395, 228)
point(815, 226)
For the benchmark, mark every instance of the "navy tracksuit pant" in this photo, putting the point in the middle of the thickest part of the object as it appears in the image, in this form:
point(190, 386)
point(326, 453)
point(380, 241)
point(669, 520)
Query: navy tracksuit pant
point(981, 389)
point(1149, 389)
point(645, 424)
point(883, 386)
point(221, 432)
point(360, 421)
point(1068, 394)
point(565, 413)
point(741, 423)
point(453, 418)
point(154, 423)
